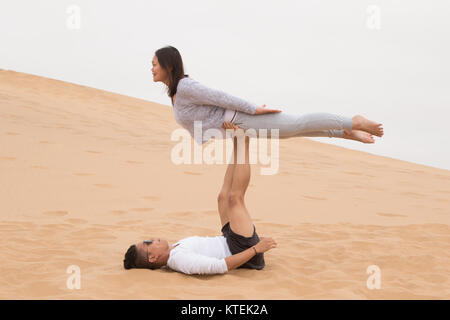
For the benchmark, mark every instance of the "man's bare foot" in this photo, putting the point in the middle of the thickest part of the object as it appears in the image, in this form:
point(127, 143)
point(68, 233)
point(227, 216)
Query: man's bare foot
point(358, 135)
point(364, 124)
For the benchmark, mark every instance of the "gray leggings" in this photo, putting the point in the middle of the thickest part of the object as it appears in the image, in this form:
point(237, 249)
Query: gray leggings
point(318, 124)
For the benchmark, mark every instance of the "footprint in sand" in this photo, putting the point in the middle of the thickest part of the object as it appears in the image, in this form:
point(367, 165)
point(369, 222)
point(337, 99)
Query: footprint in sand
point(409, 193)
point(391, 215)
point(118, 212)
point(83, 174)
point(143, 209)
point(212, 213)
point(103, 185)
point(314, 198)
point(441, 176)
point(129, 222)
point(36, 166)
point(55, 213)
point(353, 173)
point(182, 214)
point(151, 198)
point(9, 227)
point(193, 173)
point(76, 221)
point(273, 226)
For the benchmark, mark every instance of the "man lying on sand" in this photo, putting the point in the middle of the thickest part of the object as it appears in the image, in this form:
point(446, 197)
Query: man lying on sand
point(238, 247)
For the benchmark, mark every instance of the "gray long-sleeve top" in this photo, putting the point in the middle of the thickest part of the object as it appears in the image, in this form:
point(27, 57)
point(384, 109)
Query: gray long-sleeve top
point(196, 102)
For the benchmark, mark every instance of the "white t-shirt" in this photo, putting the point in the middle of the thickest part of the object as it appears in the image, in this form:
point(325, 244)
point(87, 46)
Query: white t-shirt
point(199, 255)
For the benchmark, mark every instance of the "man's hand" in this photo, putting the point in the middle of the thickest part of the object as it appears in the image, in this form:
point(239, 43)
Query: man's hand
point(242, 257)
point(265, 244)
point(263, 110)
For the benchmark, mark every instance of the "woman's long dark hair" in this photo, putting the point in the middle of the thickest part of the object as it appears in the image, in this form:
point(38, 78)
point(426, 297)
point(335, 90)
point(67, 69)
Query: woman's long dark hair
point(169, 59)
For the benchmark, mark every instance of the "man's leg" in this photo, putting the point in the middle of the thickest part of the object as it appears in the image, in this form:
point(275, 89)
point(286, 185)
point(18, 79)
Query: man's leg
point(222, 199)
point(240, 220)
point(224, 194)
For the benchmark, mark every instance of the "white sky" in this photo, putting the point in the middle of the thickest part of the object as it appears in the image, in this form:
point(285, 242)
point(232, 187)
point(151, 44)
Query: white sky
point(299, 56)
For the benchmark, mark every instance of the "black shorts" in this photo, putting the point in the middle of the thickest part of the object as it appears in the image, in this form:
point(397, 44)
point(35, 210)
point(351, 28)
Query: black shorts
point(238, 243)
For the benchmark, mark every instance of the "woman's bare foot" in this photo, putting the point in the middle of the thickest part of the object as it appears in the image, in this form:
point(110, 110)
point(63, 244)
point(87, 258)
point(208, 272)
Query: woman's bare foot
point(358, 135)
point(364, 124)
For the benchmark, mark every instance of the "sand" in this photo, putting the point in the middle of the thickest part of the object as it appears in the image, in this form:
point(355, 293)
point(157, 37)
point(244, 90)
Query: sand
point(84, 173)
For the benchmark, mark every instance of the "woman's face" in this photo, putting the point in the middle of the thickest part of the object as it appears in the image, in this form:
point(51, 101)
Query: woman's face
point(159, 74)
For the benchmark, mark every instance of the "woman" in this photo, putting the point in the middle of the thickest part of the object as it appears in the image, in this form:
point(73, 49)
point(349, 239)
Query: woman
point(193, 101)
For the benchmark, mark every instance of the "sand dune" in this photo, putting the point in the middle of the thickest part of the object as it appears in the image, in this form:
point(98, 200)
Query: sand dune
point(84, 173)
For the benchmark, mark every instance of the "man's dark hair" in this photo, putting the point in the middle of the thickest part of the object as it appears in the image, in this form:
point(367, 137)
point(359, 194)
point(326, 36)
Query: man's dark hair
point(135, 259)
point(130, 258)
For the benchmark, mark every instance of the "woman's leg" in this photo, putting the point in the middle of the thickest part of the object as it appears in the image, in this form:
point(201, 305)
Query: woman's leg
point(356, 135)
point(332, 133)
point(224, 194)
point(294, 125)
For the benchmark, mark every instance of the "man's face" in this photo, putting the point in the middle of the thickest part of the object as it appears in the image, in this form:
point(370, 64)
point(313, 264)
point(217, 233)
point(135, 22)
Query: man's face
point(153, 250)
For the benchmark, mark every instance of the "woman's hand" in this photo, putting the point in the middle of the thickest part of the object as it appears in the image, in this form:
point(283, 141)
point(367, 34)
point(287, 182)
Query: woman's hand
point(229, 125)
point(263, 110)
point(265, 244)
